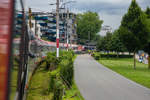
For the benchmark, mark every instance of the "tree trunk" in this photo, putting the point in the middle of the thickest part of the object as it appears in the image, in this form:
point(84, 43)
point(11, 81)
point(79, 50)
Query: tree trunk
point(129, 53)
point(148, 61)
point(107, 54)
point(134, 61)
point(117, 54)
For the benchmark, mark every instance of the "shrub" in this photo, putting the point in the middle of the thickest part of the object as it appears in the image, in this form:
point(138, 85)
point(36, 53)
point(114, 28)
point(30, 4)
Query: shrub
point(56, 85)
point(96, 55)
point(67, 72)
point(116, 56)
point(66, 55)
point(53, 76)
point(58, 90)
point(52, 61)
point(61, 72)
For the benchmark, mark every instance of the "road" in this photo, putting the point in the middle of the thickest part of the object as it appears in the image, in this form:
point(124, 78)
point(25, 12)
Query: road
point(97, 82)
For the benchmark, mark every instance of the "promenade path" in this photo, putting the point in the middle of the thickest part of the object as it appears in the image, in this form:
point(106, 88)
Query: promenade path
point(97, 82)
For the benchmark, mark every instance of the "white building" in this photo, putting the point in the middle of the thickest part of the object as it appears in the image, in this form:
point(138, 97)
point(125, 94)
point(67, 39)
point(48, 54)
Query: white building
point(105, 29)
point(36, 29)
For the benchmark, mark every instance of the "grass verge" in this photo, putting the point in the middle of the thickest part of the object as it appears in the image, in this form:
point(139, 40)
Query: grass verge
point(124, 66)
point(73, 93)
point(13, 82)
point(38, 89)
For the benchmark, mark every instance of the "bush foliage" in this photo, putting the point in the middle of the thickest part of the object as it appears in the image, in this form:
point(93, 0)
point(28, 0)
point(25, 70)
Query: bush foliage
point(61, 72)
point(98, 55)
point(66, 71)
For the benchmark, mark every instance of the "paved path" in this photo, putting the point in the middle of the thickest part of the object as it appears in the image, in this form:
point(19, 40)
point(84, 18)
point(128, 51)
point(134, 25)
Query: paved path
point(97, 82)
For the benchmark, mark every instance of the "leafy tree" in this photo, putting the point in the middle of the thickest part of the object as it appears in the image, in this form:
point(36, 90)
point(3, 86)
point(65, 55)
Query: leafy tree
point(127, 39)
point(117, 44)
point(148, 12)
point(108, 44)
point(105, 43)
point(147, 47)
point(101, 44)
point(134, 29)
point(88, 25)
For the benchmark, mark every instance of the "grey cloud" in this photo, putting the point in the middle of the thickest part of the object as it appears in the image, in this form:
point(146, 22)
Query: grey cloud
point(111, 11)
point(102, 7)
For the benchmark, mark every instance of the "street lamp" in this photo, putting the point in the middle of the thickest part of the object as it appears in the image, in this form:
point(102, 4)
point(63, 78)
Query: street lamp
point(63, 4)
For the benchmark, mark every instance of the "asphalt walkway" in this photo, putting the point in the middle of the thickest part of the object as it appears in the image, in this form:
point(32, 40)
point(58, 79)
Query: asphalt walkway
point(97, 82)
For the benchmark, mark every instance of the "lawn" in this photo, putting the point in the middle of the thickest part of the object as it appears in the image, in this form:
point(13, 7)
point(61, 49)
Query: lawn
point(124, 66)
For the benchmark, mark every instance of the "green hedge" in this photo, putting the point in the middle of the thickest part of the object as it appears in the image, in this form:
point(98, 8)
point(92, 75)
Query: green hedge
point(51, 61)
point(66, 71)
point(56, 85)
point(53, 76)
point(116, 56)
point(66, 55)
point(61, 76)
point(98, 55)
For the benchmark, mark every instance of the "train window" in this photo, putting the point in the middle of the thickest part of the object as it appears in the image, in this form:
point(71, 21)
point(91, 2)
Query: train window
point(15, 53)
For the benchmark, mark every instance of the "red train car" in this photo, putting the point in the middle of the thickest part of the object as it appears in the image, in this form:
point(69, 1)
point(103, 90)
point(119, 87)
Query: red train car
point(6, 26)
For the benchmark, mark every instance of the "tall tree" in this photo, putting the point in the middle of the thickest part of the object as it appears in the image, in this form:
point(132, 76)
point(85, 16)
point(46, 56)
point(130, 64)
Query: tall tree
point(101, 44)
point(88, 26)
point(147, 47)
point(105, 43)
point(117, 44)
point(134, 29)
point(148, 12)
point(108, 44)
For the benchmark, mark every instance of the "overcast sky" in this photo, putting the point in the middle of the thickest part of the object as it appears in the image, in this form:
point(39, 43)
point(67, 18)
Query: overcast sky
point(111, 11)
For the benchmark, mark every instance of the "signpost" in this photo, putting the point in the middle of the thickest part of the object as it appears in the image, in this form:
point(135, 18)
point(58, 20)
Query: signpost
point(6, 26)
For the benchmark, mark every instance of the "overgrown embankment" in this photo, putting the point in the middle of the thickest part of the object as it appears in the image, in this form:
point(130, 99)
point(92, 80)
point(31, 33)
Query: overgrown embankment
point(54, 79)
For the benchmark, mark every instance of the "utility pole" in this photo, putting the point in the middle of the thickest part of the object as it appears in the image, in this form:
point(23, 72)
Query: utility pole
point(20, 87)
point(35, 30)
point(57, 28)
point(67, 28)
point(23, 65)
point(89, 40)
point(30, 17)
point(72, 30)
